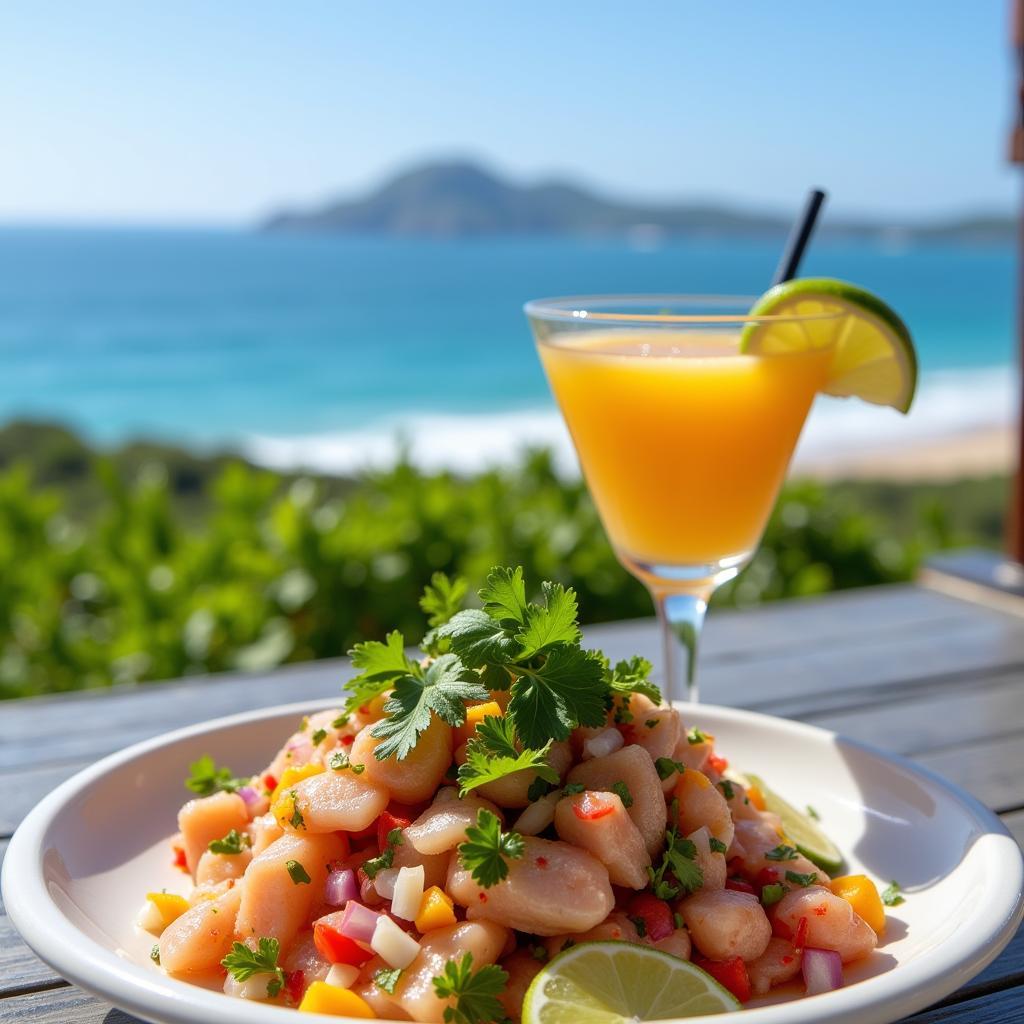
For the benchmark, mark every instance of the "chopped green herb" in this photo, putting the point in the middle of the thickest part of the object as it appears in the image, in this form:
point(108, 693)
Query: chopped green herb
point(812, 813)
point(727, 789)
point(340, 722)
point(573, 788)
point(678, 861)
point(486, 851)
point(340, 762)
point(640, 925)
point(232, 844)
point(891, 895)
point(667, 767)
point(297, 872)
point(492, 754)
point(154, 953)
point(319, 736)
point(695, 736)
point(772, 893)
point(205, 778)
point(797, 879)
point(539, 953)
point(538, 788)
point(652, 723)
point(304, 724)
point(297, 820)
point(621, 790)
point(387, 978)
point(475, 992)
point(387, 855)
point(782, 852)
point(677, 919)
point(717, 846)
point(243, 962)
point(632, 676)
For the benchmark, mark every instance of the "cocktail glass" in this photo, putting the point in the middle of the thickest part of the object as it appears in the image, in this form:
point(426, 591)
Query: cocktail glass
point(683, 440)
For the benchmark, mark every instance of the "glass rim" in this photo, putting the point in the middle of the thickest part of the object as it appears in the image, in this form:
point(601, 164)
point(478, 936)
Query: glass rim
point(579, 309)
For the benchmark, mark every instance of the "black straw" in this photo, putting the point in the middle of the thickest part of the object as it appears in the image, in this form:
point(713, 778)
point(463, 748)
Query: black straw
point(799, 237)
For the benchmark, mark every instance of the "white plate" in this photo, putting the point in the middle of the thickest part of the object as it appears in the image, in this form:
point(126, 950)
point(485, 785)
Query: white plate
point(78, 867)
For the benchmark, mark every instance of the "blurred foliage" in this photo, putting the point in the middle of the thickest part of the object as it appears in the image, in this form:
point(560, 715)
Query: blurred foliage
point(150, 564)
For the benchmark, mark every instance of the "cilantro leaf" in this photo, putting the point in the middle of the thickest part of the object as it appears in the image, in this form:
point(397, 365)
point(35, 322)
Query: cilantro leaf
point(695, 736)
point(632, 677)
point(492, 754)
point(679, 860)
point(891, 895)
point(387, 978)
point(386, 857)
point(667, 767)
point(297, 873)
point(486, 849)
point(442, 688)
point(504, 596)
point(552, 623)
point(381, 664)
point(243, 962)
point(205, 778)
point(475, 992)
point(479, 640)
point(550, 700)
point(798, 879)
point(717, 846)
point(621, 790)
point(233, 843)
point(782, 852)
point(442, 598)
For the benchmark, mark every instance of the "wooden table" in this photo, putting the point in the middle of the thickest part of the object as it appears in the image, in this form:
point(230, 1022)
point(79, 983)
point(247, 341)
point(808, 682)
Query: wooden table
point(910, 669)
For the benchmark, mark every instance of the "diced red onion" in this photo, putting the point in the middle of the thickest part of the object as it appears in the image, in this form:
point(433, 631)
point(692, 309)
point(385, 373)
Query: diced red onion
point(358, 922)
point(341, 887)
point(251, 797)
point(603, 744)
point(822, 970)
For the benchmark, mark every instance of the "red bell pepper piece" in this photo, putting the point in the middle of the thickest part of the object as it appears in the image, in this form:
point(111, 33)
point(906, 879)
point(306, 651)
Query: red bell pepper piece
point(335, 947)
point(738, 885)
point(717, 764)
point(800, 938)
point(730, 974)
point(591, 806)
point(179, 860)
point(656, 915)
point(294, 985)
point(767, 876)
point(385, 823)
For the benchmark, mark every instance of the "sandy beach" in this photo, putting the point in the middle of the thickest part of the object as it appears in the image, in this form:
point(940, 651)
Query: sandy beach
point(971, 453)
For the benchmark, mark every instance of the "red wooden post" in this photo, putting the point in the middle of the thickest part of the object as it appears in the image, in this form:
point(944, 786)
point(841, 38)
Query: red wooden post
point(1015, 515)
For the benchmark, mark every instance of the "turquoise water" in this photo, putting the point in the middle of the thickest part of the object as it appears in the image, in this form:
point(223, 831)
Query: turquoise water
point(203, 337)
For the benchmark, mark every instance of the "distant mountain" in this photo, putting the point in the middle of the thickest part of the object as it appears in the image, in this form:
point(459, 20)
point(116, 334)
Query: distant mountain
point(462, 199)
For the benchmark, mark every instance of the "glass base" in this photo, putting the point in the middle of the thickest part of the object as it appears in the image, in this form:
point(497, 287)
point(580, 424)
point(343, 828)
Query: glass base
point(681, 594)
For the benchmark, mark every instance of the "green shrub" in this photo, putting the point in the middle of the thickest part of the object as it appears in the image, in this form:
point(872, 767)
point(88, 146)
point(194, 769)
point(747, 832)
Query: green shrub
point(272, 570)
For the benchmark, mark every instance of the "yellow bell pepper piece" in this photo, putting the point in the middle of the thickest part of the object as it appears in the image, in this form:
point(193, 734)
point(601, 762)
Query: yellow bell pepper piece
point(170, 906)
point(283, 808)
point(862, 894)
point(756, 797)
point(436, 911)
point(296, 774)
point(338, 1002)
point(474, 716)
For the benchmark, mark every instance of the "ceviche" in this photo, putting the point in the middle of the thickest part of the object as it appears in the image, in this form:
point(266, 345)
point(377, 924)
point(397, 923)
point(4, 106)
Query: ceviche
point(426, 849)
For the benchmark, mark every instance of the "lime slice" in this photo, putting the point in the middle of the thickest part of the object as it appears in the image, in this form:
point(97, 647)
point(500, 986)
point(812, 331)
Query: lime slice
point(875, 358)
point(800, 830)
point(619, 983)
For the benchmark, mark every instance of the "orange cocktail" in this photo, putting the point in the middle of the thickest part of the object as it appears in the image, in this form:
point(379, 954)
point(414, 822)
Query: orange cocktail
point(684, 442)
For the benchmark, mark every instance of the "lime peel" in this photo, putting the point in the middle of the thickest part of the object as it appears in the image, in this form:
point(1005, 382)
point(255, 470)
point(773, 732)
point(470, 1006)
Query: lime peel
point(620, 983)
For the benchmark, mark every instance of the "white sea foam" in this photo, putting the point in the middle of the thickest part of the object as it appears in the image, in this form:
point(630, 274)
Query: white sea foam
point(948, 403)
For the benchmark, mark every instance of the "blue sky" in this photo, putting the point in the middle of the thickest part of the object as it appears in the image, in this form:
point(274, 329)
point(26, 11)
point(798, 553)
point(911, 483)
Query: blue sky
point(191, 112)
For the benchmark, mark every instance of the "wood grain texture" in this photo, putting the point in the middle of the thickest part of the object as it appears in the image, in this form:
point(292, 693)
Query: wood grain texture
point(1006, 1007)
point(20, 969)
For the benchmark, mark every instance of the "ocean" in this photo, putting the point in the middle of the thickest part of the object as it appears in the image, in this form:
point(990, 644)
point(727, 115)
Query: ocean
point(328, 352)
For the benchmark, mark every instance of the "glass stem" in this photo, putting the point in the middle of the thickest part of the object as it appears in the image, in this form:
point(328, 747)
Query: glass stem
point(682, 617)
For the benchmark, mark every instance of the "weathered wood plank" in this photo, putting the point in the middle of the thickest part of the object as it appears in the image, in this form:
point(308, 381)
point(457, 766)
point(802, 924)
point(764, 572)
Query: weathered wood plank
point(1006, 1007)
point(1005, 972)
point(19, 966)
point(64, 1005)
point(991, 771)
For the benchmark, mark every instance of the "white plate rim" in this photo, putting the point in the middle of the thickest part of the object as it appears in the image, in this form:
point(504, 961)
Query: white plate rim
point(882, 999)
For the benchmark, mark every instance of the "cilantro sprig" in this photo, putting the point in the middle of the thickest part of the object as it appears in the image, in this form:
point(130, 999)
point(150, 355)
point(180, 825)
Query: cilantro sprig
point(205, 778)
point(492, 754)
point(678, 871)
point(891, 895)
point(243, 962)
point(232, 844)
point(475, 992)
point(782, 852)
point(386, 857)
point(487, 850)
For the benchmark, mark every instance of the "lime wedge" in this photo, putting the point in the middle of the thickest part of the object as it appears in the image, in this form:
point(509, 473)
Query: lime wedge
point(875, 358)
point(800, 830)
point(619, 983)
